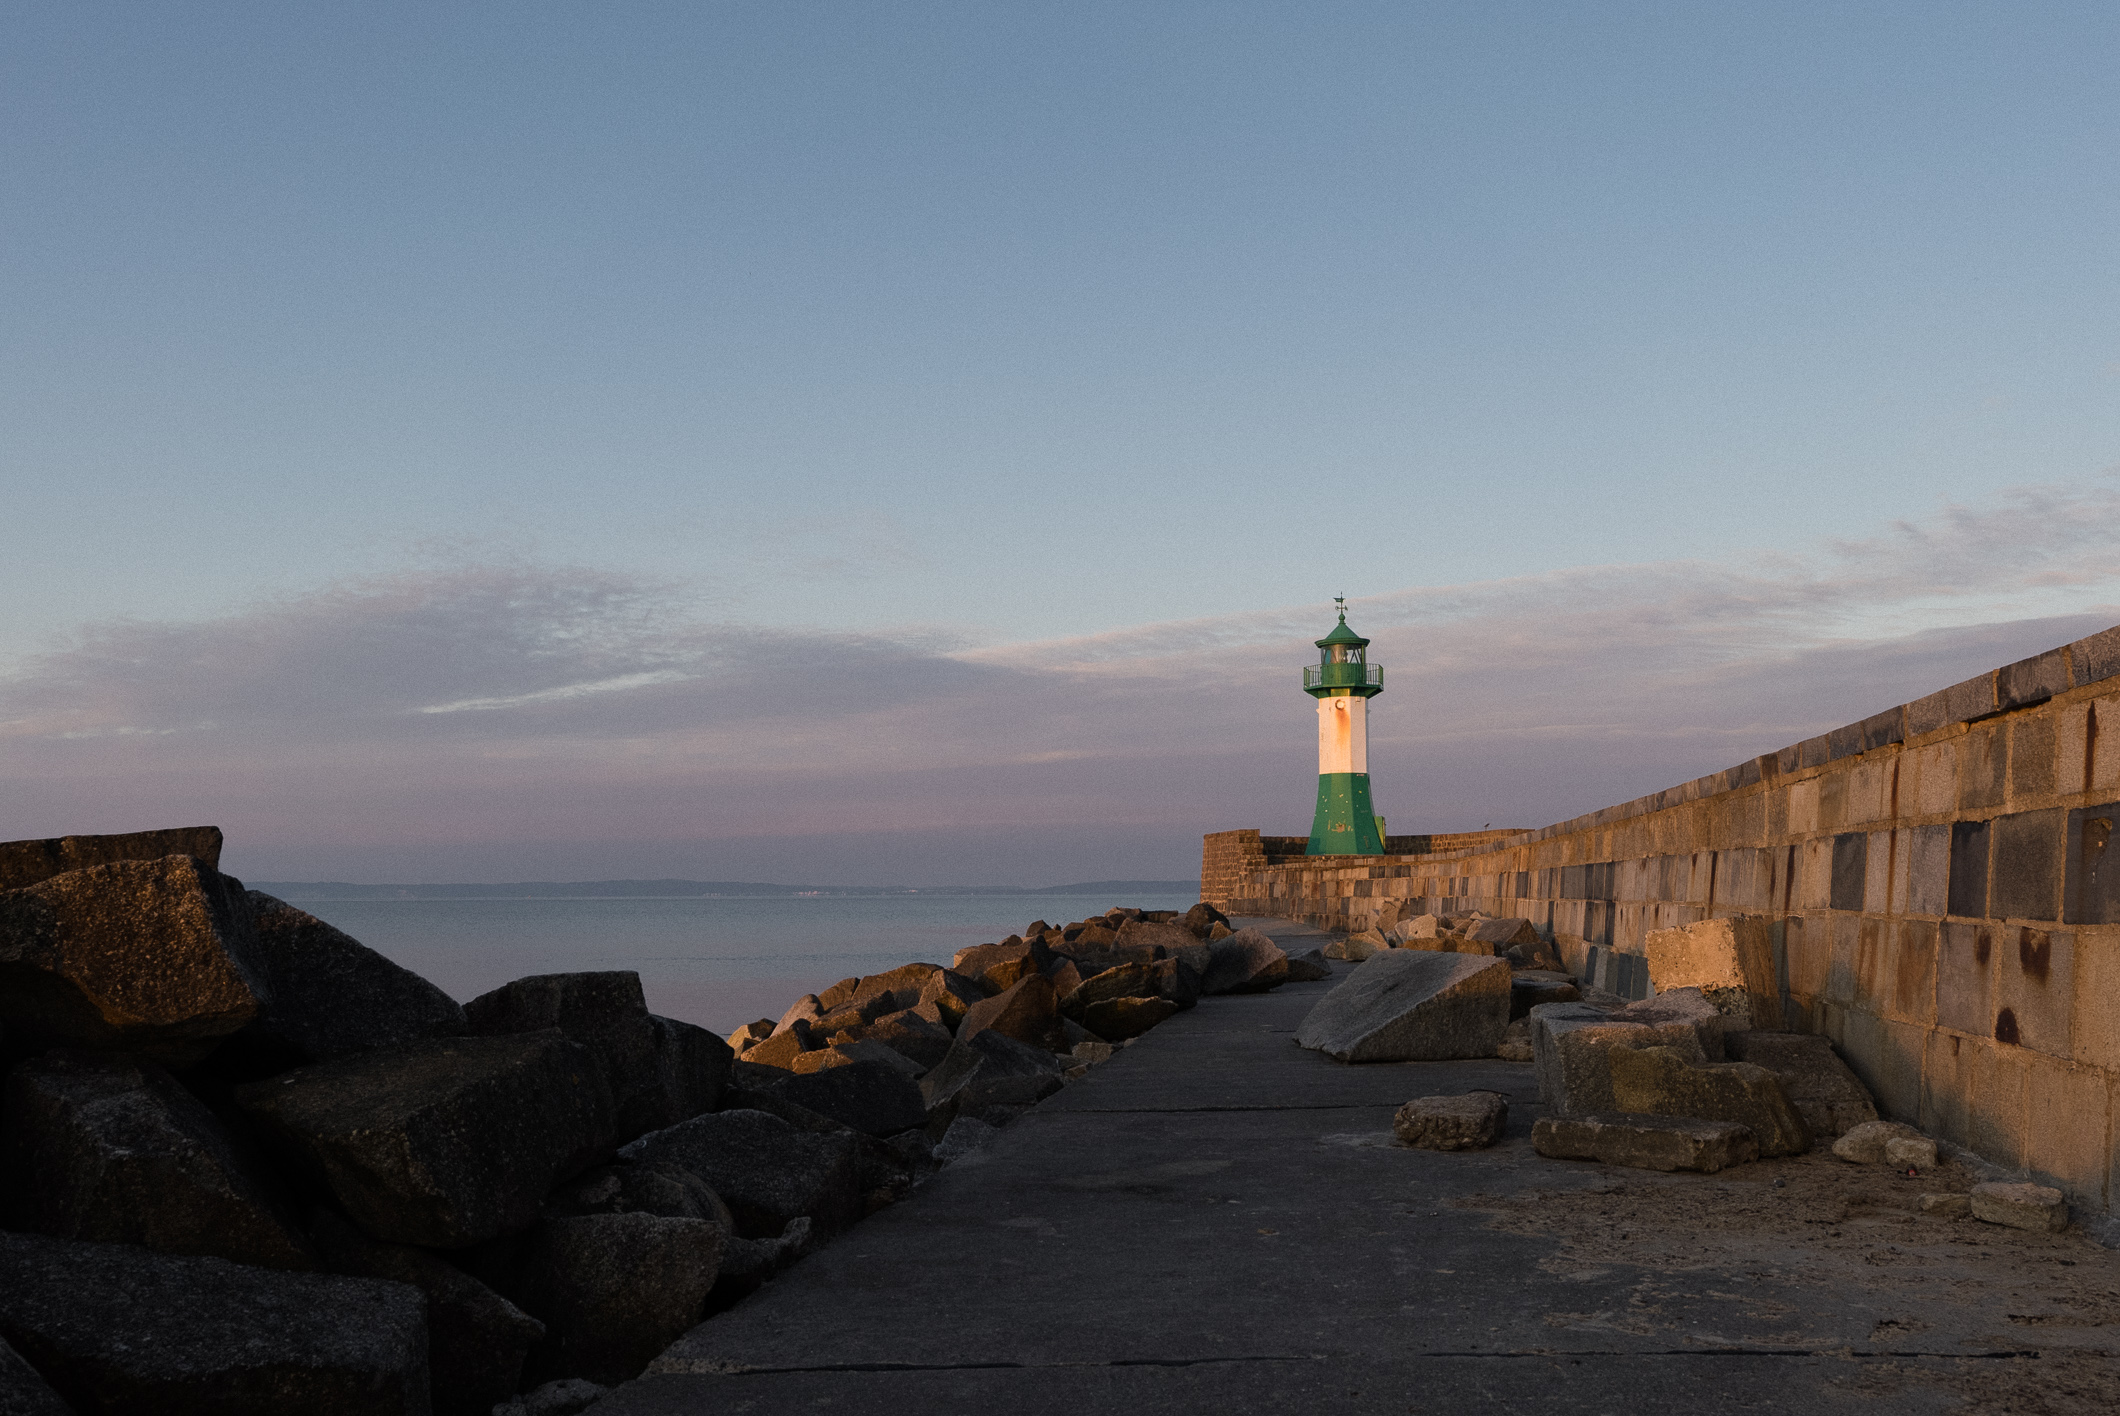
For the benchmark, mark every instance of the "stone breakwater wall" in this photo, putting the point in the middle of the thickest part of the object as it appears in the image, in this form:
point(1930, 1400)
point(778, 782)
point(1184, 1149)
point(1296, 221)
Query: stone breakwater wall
point(1944, 899)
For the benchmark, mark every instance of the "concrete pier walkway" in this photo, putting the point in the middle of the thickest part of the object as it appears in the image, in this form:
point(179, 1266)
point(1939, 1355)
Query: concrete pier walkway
point(1216, 1220)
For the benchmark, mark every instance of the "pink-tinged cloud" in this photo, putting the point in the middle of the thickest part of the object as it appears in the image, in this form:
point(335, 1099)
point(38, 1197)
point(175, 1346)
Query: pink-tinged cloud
point(538, 722)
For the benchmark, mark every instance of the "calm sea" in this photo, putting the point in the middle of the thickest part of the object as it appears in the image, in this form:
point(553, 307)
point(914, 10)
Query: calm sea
point(716, 962)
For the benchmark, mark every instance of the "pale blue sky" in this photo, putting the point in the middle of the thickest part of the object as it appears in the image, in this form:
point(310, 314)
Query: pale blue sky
point(990, 325)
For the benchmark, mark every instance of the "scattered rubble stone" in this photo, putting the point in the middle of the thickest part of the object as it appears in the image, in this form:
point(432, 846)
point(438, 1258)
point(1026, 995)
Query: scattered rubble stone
point(1945, 1206)
point(1529, 988)
point(1502, 933)
point(476, 1339)
point(1677, 1013)
point(99, 1146)
point(142, 956)
point(2041, 1208)
point(765, 1170)
point(1864, 1144)
point(1646, 1142)
point(442, 1143)
point(1308, 967)
point(1450, 1123)
point(805, 1009)
point(1819, 1085)
point(952, 994)
point(1916, 1151)
point(127, 1329)
point(783, 1047)
point(1660, 1081)
point(1117, 1019)
point(1408, 1005)
point(327, 995)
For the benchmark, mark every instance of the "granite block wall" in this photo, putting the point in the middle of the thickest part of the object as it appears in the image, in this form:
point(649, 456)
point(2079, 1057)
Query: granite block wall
point(1941, 877)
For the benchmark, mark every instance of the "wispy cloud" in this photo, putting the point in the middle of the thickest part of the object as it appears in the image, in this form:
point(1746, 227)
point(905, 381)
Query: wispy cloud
point(457, 708)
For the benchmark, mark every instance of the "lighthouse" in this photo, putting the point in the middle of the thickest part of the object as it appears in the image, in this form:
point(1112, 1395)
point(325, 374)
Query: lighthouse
point(1343, 683)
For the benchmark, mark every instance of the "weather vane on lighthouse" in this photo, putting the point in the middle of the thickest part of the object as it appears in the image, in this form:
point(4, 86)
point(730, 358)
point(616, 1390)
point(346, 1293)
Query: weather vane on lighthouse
point(1343, 683)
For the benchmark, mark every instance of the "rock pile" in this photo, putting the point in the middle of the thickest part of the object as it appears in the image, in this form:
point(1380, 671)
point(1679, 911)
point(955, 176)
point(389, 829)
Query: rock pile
point(249, 1165)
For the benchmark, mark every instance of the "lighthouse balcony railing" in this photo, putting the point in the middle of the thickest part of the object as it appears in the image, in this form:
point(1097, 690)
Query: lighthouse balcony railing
point(1344, 676)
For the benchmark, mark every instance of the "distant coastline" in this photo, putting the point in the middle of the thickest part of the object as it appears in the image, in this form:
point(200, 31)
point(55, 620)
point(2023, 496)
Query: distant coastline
point(296, 891)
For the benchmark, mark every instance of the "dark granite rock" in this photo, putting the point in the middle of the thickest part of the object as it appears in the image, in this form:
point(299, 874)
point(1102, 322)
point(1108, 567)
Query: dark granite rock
point(848, 1050)
point(123, 1329)
point(1117, 1019)
point(569, 1396)
point(902, 987)
point(1528, 991)
point(613, 1290)
point(837, 996)
point(782, 1048)
point(952, 995)
point(692, 1067)
point(659, 1187)
point(1308, 967)
point(442, 1143)
point(985, 1071)
point(604, 1012)
point(982, 960)
point(866, 1096)
point(24, 863)
point(1203, 917)
point(328, 995)
point(99, 1146)
point(764, 1169)
point(23, 1392)
point(918, 1036)
point(476, 1339)
point(143, 956)
point(1028, 1011)
point(1244, 962)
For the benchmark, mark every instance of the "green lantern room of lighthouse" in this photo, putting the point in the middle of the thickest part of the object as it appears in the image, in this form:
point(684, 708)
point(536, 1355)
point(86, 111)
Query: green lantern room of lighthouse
point(1343, 683)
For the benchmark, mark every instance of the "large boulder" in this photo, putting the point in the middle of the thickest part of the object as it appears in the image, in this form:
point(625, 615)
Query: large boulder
point(104, 1147)
point(996, 966)
point(987, 1071)
point(863, 1095)
point(24, 863)
point(1646, 1142)
point(604, 1012)
point(916, 1033)
point(1731, 960)
point(1410, 1006)
point(329, 995)
point(1831, 1099)
point(613, 1290)
point(1245, 962)
point(442, 1143)
point(1117, 1019)
point(1027, 1010)
point(1310, 966)
point(691, 1065)
point(142, 956)
point(23, 1392)
point(1659, 1081)
point(1202, 918)
point(476, 1339)
point(767, 1171)
point(658, 1187)
point(1529, 988)
point(1571, 1045)
point(124, 1329)
point(902, 986)
point(952, 995)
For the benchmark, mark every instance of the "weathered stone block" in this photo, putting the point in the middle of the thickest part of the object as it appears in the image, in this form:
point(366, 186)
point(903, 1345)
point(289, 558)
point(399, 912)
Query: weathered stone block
point(2039, 1208)
point(768, 1172)
point(1730, 960)
point(1829, 1097)
point(607, 1014)
point(1117, 1019)
point(1409, 1005)
point(2033, 680)
point(2092, 874)
point(952, 995)
point(862, 1094)
point(988, 1070)
point(1452, 1123)
point(2027, 873)
point(1867, 1143)
point(2097, 657)
point(1244, 962)
point(1645, 1142)
point(143, 956)
point(1028, 1011)
point(105, 1148)
point(2034, 988)
point(1659, 1081)
point(917, 1035)
point(442, 1143)
point(1851, 855)
point(127, 1329)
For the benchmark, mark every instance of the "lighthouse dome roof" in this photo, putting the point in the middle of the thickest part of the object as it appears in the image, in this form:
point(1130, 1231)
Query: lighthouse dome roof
point(1341, 634)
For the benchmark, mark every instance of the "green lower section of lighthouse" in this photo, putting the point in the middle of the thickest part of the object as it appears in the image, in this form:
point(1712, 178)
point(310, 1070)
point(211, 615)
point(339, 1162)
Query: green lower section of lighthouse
point(1346, 824)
